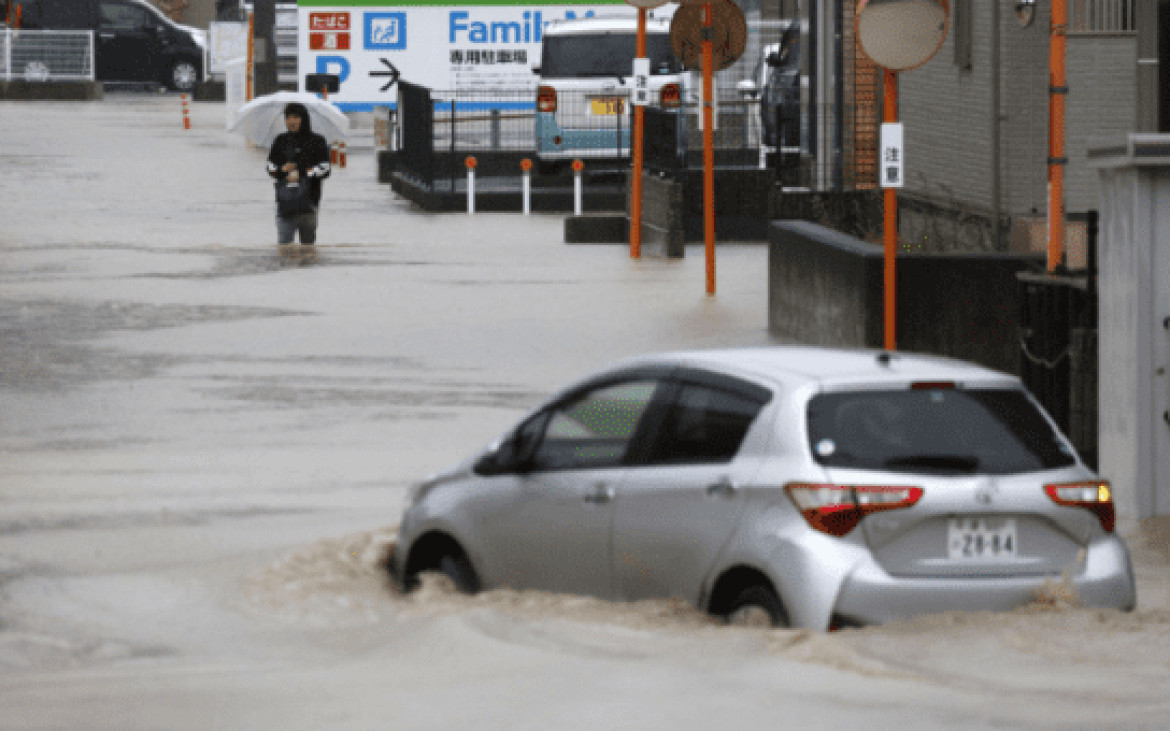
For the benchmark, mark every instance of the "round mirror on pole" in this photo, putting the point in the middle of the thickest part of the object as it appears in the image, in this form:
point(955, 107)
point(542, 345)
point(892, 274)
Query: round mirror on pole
point(728, 31)
point(902, 34)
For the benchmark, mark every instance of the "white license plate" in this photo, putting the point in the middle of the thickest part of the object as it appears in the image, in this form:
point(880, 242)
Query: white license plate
point(981, 538)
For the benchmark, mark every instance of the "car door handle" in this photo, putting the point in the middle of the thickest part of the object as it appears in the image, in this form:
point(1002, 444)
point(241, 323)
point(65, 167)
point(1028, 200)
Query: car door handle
point(602, 493)
point(107, 36)
point(723, 487)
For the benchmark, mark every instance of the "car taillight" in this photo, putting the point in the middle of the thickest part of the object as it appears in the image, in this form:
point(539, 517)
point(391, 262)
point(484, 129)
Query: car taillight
point(837, 509)
point(1096, 497)
point(546, 99)
point(670, 96)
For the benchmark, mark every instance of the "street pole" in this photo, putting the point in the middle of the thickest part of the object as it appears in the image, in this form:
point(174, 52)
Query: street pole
point(636, 182)
point(1057, 92)
point(708, 151)
point(890, 219)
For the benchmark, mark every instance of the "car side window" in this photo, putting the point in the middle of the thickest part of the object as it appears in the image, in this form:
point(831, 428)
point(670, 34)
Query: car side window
point(704, 424)
point(594, 430)
point(124, 17)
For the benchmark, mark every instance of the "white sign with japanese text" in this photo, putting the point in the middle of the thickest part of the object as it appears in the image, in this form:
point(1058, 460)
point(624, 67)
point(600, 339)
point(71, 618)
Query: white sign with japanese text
point(641, 81)
point(890, 166)
point(475, 45)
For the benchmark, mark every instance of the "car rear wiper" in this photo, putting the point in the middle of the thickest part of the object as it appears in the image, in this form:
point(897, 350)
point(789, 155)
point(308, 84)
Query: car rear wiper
point(956, 462)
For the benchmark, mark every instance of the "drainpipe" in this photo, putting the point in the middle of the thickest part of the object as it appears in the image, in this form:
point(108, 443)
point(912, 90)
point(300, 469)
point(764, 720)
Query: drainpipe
point(996, 123)
point(1057, 93)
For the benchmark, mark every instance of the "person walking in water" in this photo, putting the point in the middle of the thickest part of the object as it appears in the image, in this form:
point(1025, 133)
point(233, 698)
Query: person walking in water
point(298, 161)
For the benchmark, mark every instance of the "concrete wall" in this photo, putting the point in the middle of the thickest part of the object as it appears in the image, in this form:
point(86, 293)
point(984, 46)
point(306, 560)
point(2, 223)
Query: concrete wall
point(1134, 334)
point(826, 288)
point(1102, 105)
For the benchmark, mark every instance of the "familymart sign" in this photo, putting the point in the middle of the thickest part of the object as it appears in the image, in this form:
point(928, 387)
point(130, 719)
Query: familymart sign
point(370, 45)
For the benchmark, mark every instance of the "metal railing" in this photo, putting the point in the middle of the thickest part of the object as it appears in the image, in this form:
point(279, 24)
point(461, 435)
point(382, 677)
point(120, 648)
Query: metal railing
point(439, 128)
point(1100, 16)
point(476, 120)
point(46, 55)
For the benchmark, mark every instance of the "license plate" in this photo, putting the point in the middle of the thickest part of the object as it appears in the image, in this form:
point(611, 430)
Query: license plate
point(981, 538)
point(607, 105)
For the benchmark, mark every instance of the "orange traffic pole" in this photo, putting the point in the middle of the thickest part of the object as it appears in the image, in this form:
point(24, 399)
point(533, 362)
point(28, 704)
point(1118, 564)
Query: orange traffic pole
point(636, 172)
point(186, 117)
point(251, 49)
point(1057, 91)
point(708, 152)
point(890, 227)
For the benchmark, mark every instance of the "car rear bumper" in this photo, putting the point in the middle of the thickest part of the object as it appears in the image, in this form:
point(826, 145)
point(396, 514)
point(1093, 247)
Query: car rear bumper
point(869, 595)
point(606, 139)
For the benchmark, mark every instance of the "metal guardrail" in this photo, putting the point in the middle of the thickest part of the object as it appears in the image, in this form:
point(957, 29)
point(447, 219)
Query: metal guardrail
point(46, 55)
point(448, 125)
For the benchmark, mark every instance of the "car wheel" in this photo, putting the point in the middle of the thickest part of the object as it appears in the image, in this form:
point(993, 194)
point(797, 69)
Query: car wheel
point(458, 569)
point(36, 71)
point(183, 76)
point(756, 606)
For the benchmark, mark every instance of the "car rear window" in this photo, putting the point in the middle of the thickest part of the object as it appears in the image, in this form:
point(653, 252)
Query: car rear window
point(603, 54)
point(948, 430)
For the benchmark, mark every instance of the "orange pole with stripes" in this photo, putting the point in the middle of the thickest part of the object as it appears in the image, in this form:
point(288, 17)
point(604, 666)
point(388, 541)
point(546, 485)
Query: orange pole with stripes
point(708, 152)
point(1057, 91)
point(636, 172)
point(890, 227)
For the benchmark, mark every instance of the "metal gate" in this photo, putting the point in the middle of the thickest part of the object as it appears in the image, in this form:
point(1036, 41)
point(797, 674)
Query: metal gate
point(46, 55)
point(416, 112)
point(1058, 347)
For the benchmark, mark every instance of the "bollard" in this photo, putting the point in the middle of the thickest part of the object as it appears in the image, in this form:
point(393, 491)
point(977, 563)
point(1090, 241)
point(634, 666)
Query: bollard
point(526, 186)
point(333, 152)
point(578, 166)
point(186, 117)
point(470, 163)
point(341, 156)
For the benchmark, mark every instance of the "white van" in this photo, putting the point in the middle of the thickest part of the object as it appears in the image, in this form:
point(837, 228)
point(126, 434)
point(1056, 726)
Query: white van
point(583, 107)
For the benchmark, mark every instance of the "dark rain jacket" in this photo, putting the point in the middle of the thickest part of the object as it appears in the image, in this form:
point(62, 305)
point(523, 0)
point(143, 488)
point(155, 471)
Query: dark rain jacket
point(308, 150)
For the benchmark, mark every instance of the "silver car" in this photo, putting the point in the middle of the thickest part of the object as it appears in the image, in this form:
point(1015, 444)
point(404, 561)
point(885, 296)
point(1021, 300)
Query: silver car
point(800, 486)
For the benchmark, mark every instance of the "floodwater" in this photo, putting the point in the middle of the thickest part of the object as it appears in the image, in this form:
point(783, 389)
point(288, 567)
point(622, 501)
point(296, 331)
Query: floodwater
point(206, 442)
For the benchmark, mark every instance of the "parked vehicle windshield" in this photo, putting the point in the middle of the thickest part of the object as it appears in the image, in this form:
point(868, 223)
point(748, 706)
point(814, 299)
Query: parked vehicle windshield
point(604, 54)
point(948, 430)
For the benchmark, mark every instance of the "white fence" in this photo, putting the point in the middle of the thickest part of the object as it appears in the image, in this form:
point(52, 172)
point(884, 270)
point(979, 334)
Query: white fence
point(46, 55)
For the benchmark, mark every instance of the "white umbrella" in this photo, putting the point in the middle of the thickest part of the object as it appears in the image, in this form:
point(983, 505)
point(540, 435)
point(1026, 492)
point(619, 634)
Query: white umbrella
point(262, 119)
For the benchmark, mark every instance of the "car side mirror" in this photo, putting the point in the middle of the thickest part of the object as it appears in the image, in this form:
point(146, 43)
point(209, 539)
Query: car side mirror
point(501, 459)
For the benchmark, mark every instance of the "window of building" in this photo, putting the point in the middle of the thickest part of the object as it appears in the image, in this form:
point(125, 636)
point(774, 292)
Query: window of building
point(1100, 16)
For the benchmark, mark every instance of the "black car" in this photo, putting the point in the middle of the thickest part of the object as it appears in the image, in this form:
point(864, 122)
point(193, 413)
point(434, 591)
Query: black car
point(133, 41)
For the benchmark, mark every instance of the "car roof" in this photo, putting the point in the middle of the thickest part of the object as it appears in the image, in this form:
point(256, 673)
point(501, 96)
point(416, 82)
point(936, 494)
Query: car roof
point(795, 365)
point(605, 24)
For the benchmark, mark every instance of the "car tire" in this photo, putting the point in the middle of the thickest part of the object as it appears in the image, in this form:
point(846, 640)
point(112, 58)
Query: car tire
point(183, 76)
point(756, 606)
point(458, 569)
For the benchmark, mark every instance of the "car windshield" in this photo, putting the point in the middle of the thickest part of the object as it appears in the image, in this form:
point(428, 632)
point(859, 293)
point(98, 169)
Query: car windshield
point(948, 430)
point(603, 54)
